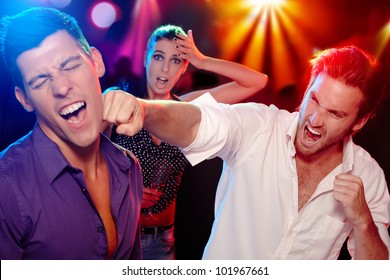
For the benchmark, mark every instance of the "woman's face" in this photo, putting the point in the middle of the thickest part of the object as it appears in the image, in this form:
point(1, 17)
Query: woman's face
point(163, 68)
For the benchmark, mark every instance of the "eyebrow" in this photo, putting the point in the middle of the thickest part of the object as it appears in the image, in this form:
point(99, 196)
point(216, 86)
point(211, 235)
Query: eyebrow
point(69, 59)
point(158, 51)
point(36, 78)
point(335, 112)
point(162, 52)
point(62, 65)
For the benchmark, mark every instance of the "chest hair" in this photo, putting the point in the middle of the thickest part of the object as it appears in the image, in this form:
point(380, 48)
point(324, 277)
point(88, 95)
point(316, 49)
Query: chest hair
point(309, 176)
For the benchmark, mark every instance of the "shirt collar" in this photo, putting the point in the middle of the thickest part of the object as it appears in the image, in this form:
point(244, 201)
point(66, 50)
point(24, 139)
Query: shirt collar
point(54, 161)
point(116, 153)
point(292, 129)
point(49, 154)
point(348, 154)
point(291, 133)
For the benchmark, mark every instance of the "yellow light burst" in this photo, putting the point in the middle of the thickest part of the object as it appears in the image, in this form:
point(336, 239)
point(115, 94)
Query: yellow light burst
point(268, 36)
point(384, 37)
point(261, 3)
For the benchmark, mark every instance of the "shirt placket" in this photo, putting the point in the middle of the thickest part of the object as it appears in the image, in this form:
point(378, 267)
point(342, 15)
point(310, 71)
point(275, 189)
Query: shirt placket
point(288, 238)
point(100, 233)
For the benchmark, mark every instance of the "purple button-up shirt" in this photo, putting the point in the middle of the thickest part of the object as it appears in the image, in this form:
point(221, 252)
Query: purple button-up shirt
point(46, 211)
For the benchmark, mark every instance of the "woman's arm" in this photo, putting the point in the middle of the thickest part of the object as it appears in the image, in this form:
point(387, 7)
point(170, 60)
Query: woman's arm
point(245, 81)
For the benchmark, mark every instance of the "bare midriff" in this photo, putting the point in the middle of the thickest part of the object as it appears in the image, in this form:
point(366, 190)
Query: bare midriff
point(165, 218)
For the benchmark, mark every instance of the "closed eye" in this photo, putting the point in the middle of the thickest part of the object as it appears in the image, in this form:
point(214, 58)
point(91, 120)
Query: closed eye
point(72, 67)
point(71, 63)
point(313, 99)
point(38, 81)
point(337, 114)
point(334, 113)
point(68, 65)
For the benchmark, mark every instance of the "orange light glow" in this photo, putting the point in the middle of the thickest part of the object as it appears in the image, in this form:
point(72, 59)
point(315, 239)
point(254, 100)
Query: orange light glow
point(383, 38)
point(261, 3)
point(264, 35)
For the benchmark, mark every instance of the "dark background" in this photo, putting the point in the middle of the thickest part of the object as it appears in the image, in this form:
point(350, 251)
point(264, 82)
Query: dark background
point(313, 25)
point(309, 26)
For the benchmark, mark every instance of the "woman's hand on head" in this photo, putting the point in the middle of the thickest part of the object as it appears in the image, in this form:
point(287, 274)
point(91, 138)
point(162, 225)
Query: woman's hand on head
point(188, 50)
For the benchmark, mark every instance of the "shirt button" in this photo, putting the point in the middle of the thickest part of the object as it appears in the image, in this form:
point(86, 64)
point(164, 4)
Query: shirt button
point(84, 190)
point(100, 229)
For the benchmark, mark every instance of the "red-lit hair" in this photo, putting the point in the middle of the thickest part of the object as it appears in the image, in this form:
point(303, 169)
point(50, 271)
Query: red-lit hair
point(354, 67)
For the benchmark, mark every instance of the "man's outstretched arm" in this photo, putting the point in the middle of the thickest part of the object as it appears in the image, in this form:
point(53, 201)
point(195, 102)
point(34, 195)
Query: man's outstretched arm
point(174, 122)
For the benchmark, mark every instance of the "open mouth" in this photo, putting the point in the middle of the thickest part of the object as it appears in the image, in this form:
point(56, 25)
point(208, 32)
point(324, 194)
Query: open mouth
point(311, 135)
point(161, 81)
point(72, 113)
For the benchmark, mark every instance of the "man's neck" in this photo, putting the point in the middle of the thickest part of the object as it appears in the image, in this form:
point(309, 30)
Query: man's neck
point(88, 159)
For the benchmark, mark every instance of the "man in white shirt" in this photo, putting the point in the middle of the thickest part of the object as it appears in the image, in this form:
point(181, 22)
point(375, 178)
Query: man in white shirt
point(294, 185)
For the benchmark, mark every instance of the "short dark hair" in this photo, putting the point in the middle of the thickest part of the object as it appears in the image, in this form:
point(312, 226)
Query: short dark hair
point(356, 68)
point(28, 29)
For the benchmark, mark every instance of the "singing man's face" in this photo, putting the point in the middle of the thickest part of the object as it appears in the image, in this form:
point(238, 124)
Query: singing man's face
point(328, 114)
point(62, 87)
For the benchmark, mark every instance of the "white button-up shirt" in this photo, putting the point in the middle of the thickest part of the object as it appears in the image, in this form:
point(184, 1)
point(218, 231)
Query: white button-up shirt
point(256, 207)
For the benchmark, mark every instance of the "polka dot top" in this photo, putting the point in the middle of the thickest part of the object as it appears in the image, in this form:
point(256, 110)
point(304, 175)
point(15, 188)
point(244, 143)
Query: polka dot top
point(164, 162)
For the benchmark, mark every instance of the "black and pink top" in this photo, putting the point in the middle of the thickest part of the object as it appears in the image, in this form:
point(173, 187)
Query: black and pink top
point(163, 161)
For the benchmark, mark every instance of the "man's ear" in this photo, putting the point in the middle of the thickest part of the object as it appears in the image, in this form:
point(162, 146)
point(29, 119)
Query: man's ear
point(360, 123)
point(22, 98)
point(97, 60)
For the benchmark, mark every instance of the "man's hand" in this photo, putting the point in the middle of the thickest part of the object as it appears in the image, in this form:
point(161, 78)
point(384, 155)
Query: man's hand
point(349, 191)
point(123, 110)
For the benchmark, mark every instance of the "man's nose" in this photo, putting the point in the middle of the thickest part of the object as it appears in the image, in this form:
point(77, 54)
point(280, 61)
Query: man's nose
point(317, 118)
point(61, 85)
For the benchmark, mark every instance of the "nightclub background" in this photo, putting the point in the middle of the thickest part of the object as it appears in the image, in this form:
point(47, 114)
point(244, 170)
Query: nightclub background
point(275, 37)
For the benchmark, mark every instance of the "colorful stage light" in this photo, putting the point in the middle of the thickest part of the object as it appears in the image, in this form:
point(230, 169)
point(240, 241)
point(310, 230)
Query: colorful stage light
point(60, 3)
point(104, 14)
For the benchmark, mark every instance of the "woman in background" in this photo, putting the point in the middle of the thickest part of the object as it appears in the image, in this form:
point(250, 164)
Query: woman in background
point(169, 51)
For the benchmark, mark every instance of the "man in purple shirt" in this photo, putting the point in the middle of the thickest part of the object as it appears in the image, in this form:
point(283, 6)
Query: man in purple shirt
point(66, 192)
